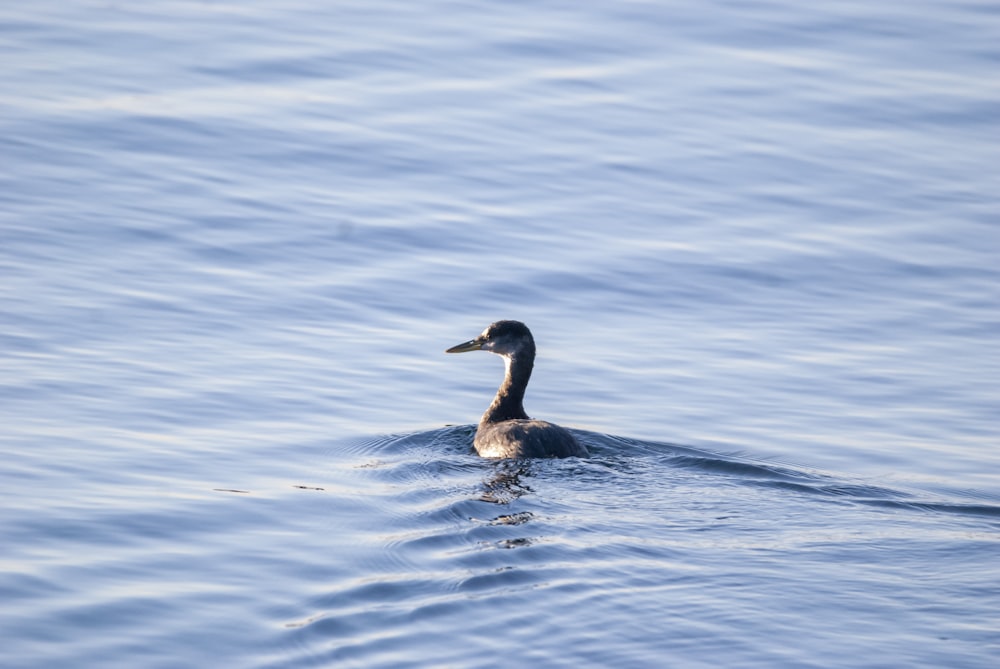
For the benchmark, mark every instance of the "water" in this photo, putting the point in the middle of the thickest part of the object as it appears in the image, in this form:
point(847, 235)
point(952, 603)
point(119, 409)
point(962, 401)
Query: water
point(756, 244)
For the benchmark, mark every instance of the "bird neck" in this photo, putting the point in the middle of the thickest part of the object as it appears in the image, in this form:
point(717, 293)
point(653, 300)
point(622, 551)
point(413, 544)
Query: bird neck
point(509, 402)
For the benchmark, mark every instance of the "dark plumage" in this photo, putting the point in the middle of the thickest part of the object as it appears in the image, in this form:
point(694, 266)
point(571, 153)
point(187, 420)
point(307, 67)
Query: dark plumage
point(505, 431)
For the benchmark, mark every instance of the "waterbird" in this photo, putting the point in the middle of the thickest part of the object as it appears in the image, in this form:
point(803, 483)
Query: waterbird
point(505, 430)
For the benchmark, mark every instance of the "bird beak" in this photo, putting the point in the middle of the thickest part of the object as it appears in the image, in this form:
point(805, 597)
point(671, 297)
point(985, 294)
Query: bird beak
point(471, 345)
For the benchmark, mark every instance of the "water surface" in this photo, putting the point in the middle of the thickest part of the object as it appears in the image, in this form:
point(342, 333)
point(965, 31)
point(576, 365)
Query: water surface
point(755, 243)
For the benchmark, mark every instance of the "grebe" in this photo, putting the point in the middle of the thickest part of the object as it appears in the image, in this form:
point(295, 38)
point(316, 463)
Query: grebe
point(505, 431)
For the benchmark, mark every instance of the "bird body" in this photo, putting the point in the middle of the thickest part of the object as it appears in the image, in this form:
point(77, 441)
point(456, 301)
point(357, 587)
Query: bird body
point(526, 438)
point(505, 430)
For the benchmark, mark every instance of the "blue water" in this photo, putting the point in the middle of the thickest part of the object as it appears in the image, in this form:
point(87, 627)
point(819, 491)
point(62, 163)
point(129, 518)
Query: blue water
point(757, 245)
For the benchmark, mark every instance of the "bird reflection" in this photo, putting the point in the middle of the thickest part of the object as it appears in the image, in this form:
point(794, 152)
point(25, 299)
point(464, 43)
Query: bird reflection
point(504, 484)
